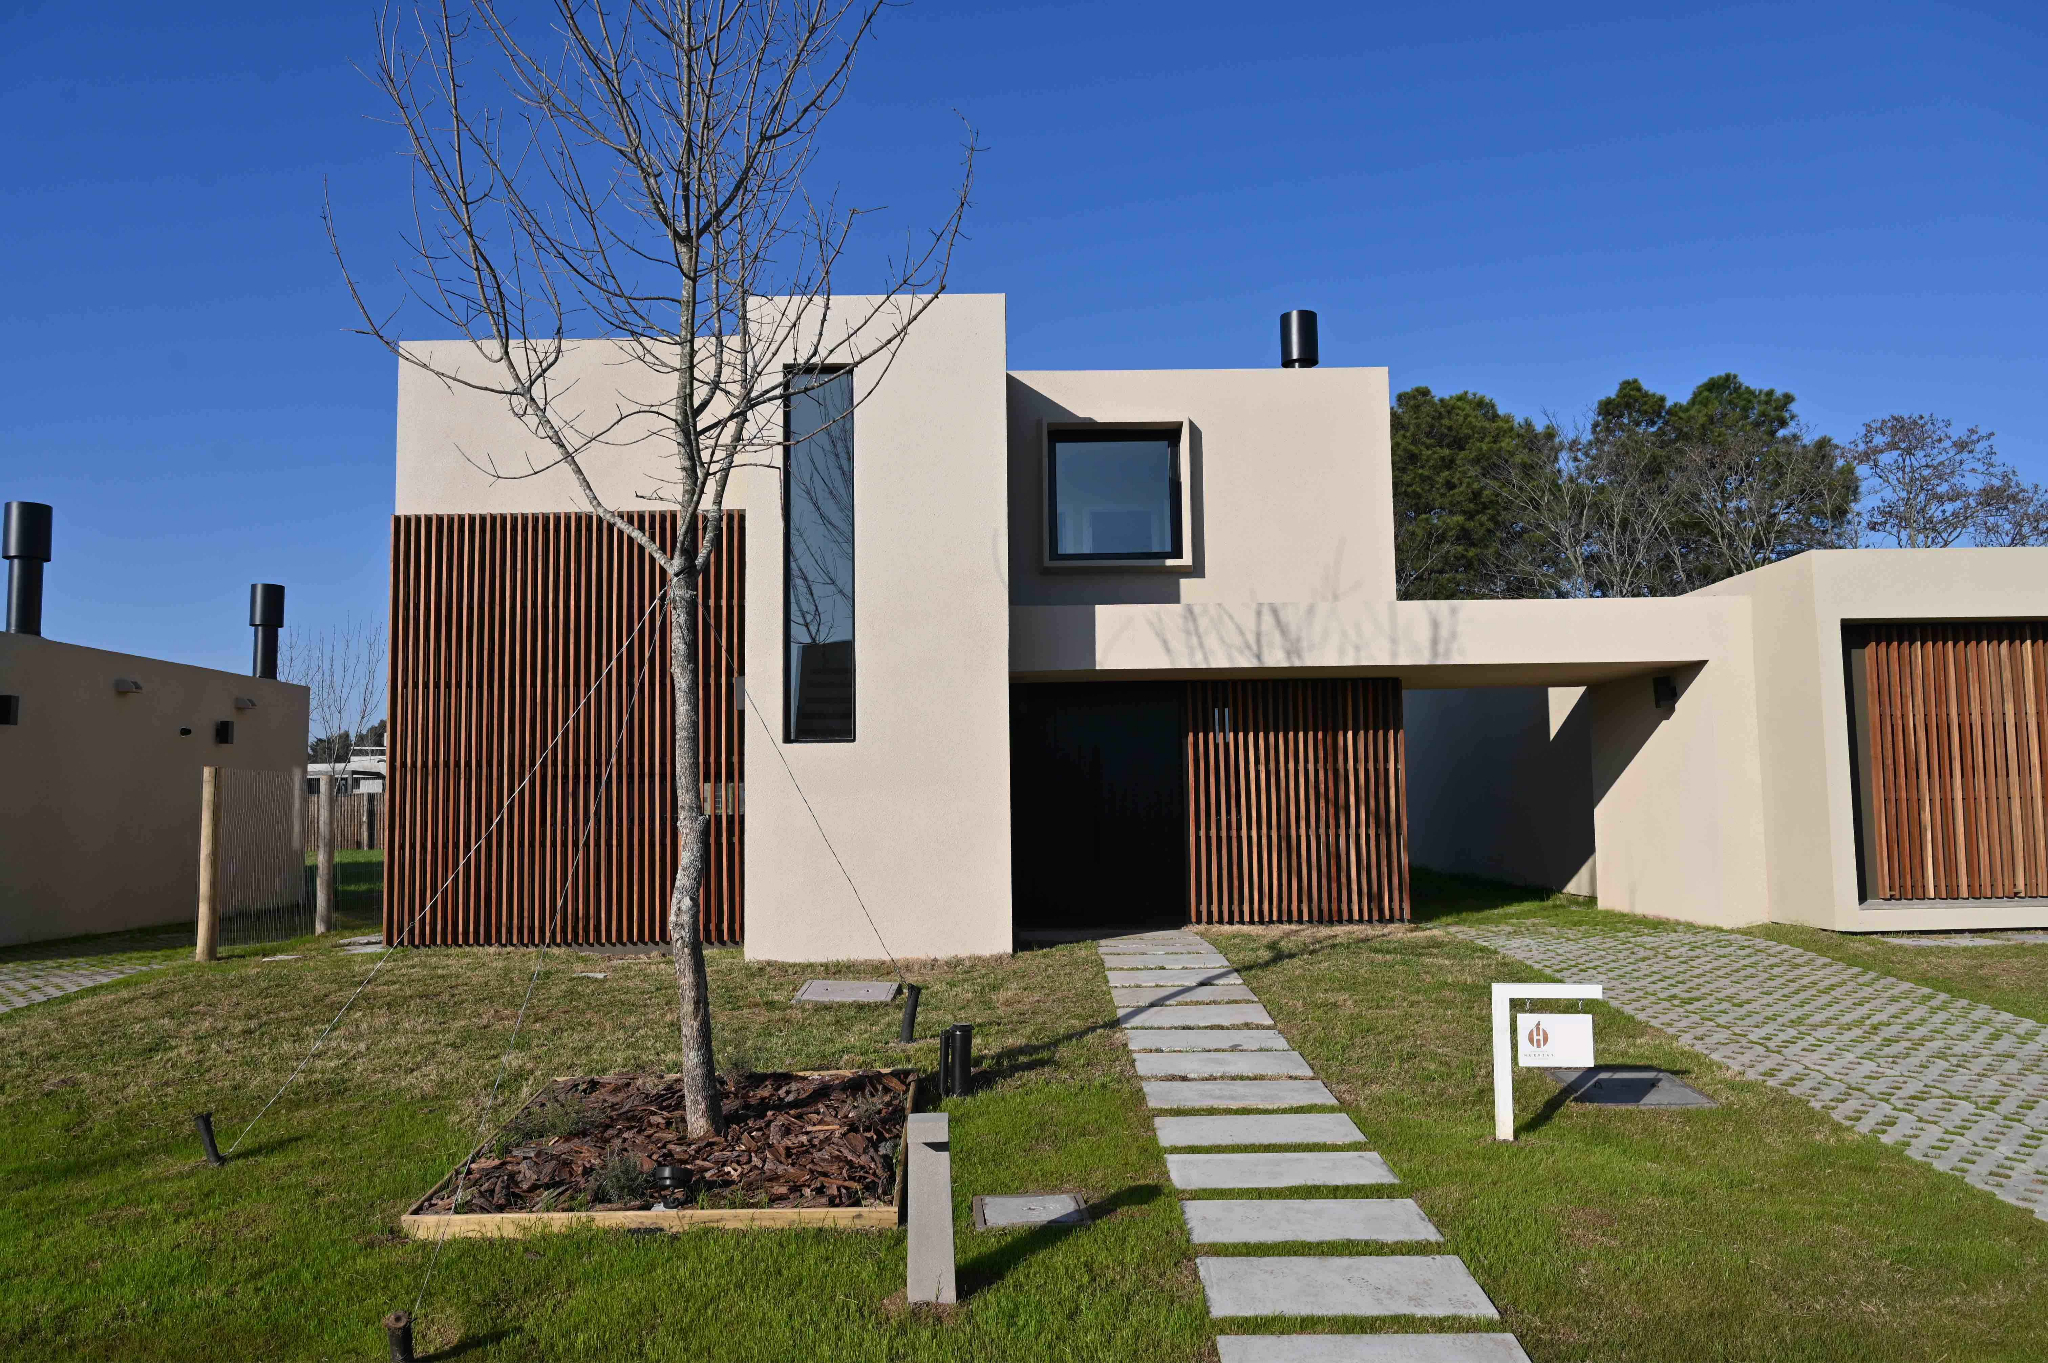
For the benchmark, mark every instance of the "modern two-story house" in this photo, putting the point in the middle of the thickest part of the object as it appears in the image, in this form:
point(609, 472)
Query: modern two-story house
point(1003, 650)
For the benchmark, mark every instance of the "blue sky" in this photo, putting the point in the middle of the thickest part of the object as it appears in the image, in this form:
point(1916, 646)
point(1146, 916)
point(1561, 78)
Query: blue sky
point(1843, 200)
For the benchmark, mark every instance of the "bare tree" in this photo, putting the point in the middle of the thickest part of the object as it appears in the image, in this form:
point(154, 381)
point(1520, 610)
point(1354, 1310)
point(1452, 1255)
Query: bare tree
point(1589, 528)
point(1934, 487)
point(1751, 497)
point(640, 176)
point(343, 668)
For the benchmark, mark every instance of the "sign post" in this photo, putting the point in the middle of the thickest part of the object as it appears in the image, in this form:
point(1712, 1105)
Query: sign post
point(1504, 1043)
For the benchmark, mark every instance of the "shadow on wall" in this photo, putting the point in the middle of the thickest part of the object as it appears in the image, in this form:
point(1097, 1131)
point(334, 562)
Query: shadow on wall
point(1501, 784)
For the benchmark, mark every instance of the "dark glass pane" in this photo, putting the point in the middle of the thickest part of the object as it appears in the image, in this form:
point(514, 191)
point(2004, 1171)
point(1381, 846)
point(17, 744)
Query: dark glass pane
point(819, 551)
point(1114, 497)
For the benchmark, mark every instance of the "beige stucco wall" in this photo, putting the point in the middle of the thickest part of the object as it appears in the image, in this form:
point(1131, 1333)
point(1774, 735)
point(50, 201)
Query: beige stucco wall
point(99, 805)
point(1798, 608)
point(1290, 483)
point(917, 807)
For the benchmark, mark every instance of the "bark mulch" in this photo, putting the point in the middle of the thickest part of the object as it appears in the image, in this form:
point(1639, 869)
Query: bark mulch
point(791, 1140)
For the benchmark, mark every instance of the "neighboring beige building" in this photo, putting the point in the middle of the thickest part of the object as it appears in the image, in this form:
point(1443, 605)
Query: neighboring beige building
point(1123, 646)
point(99, 801)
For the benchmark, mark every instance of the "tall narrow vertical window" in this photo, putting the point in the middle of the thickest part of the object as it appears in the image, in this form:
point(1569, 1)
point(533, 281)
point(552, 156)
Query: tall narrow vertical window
point(818, 559)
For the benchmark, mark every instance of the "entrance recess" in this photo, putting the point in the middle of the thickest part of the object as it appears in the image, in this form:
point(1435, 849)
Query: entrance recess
point(1099, 830)
point(1211, 801)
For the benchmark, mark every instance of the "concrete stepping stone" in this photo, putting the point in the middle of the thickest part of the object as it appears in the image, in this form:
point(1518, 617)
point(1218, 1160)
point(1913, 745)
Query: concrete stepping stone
point(1367, 1285)
point(1237, 1093)
point(1185, 993)
point(1223, 1221)
point(1029, 1209)
point(1370, 1349)
point(1195, 1015)
point(1199, 975)
point(1164, 960)
point(1220, 1064)
point(1176, 1039)
point(1279, 1169)
point(1292, 1128)
point(846, 991)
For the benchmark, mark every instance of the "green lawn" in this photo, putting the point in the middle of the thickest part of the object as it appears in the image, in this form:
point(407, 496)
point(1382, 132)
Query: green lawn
point(119, 1244)
point(1759, 1231)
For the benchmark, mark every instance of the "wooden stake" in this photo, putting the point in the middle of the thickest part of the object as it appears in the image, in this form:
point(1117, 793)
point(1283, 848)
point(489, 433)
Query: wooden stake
point(323, 893)
point(208, 947)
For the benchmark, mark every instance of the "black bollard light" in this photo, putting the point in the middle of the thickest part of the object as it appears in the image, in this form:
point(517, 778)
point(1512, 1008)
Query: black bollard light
point(204, 1121)
point(956, 1059)
point(398, 1331)
point(910, 996)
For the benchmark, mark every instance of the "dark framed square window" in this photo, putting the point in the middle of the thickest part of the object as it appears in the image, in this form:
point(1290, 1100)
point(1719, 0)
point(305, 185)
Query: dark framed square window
point(817, 544)
point(1114, 495)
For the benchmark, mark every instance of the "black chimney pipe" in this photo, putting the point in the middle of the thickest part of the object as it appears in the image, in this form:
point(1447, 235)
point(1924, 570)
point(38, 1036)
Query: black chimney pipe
point(1298, 339)
point(266, 613)
point(27, 550)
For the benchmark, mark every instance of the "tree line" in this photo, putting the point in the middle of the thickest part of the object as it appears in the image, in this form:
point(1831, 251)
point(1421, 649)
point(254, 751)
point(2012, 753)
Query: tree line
point(1644, 496)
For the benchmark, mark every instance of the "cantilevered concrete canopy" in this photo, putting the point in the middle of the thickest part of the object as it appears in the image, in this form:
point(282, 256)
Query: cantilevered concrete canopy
point(1423, 643)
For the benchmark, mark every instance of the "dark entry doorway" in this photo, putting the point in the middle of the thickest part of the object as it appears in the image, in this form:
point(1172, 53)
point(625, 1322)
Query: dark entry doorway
point(1097, 805)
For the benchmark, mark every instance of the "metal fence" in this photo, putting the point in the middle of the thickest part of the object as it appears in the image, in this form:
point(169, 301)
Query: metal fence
point(265, 885)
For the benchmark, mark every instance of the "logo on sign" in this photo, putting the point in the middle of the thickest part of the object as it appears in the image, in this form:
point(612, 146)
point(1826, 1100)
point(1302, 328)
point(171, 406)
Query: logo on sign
point(1559, 1040)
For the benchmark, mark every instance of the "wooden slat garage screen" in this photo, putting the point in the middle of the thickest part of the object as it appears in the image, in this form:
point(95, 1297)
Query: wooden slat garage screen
point(501, 626)
point(1958, 720)
point(1297, 801)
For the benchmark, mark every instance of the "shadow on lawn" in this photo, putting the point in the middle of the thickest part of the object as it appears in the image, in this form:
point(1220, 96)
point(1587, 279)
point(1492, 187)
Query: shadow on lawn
point(987, 1269)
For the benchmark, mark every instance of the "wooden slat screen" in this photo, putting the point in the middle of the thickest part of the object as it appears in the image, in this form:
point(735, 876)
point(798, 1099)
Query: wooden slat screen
point(1957, 724)
point(500, 625)
point(1297, 801)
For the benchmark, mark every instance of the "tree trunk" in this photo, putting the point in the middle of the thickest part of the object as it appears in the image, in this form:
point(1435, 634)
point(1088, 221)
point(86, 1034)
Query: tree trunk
point(701, 1108)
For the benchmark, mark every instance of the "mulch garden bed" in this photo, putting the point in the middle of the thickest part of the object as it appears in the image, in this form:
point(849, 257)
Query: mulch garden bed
point(591, 1145)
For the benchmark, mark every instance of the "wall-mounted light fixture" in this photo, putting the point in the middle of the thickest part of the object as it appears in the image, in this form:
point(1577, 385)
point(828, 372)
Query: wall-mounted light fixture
point(244, 703)
point(126, 686)
point(1664, 693)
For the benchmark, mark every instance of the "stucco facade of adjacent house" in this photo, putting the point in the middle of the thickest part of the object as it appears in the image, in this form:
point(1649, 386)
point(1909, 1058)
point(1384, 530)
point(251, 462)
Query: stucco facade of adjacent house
point(1014, 649)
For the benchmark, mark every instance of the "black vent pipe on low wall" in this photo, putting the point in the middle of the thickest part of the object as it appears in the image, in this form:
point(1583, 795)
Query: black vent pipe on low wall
point(27, 550)
point(1298, 348)
point(266, 614)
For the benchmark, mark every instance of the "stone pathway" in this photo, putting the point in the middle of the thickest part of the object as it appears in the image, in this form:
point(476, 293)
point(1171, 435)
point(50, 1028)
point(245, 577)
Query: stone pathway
point(1961, 1086)
point(26, 982)
point(1200, 1039)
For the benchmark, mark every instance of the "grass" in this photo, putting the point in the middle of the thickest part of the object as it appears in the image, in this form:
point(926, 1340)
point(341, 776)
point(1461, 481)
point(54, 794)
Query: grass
point(1761, 1230)
point(119, 1244)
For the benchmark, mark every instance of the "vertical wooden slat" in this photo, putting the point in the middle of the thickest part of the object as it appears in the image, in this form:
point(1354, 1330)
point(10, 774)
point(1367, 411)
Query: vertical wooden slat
point(500, 625)
point(1957, 723)
point(1297, 812)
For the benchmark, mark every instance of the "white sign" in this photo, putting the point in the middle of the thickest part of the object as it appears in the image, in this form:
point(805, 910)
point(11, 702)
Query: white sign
point(1554, 1040)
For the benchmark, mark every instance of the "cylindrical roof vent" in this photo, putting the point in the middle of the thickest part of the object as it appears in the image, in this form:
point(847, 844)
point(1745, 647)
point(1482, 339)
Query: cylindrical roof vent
point(1298, 339)
point(266, 615)
point(27, 549)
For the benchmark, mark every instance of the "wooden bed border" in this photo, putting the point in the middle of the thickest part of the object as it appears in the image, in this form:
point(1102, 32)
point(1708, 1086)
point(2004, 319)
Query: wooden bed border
point(511, 1225)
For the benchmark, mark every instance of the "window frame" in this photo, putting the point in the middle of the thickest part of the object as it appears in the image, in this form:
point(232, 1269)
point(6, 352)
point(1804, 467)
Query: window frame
point(789, 734)
point(1177, 431)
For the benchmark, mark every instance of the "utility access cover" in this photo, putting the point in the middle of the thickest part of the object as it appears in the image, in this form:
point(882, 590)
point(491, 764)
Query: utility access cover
point(1029, 1209)
point(846, 991)
point(1629, 1086)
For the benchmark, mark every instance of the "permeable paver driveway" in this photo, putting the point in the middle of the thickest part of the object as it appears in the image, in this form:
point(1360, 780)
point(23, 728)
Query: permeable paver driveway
point(26, 982)
point(1959, 1085)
